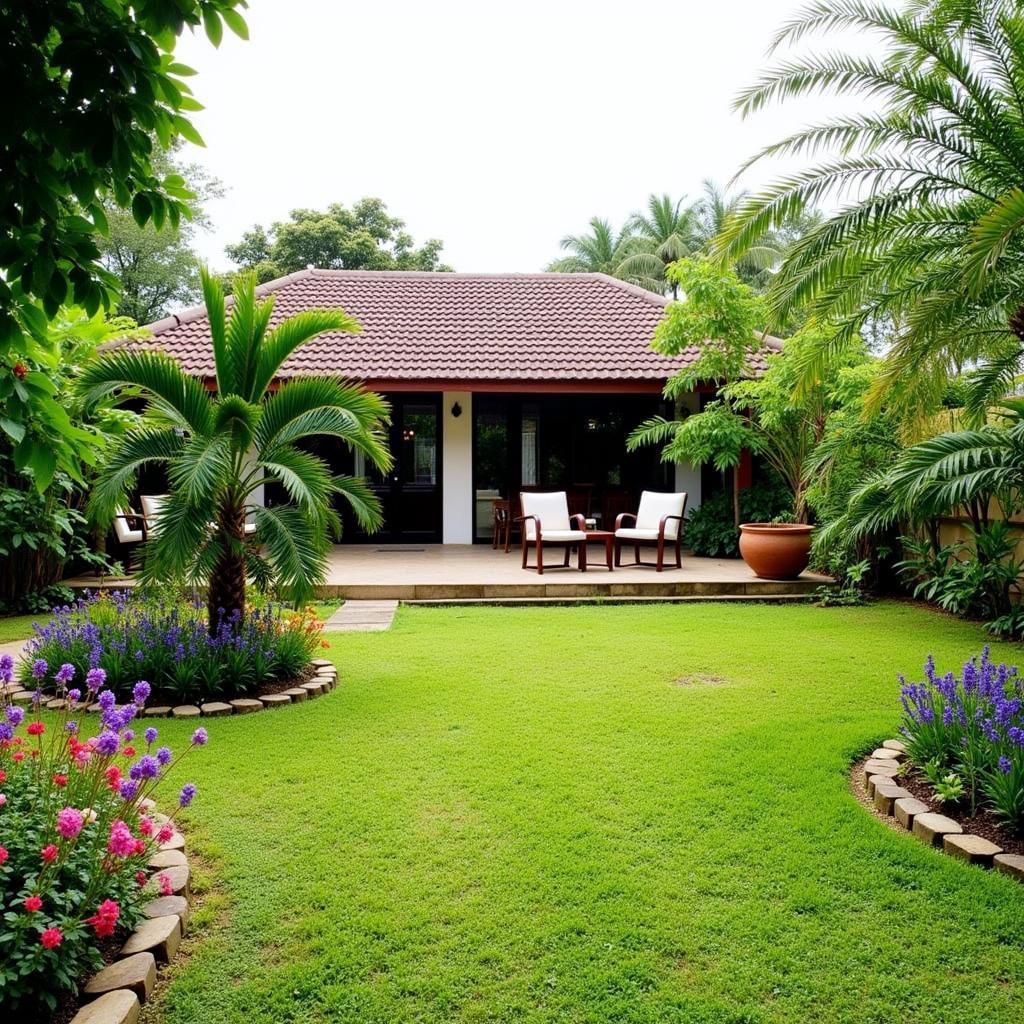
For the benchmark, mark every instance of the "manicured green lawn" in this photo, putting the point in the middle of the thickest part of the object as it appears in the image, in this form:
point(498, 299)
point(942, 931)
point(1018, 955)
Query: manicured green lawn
point(521, 815)
point(18, 627)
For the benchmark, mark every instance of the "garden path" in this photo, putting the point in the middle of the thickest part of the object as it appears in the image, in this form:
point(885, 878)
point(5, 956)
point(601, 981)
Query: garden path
point(362, 617)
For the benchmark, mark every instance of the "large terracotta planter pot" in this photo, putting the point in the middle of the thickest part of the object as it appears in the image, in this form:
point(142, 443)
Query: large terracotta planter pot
point(776, 551)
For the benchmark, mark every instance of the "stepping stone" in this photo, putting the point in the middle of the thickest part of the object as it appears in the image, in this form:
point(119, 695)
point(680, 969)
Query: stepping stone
point(872, 783)
point(275, 700)
point(167, 859)
point(156, 712)
point(118, 1007)
point(215, 709)
point(1011, 864)
point(931, 827)
point(884, 754)
point(898, 745)
point(185, 711)
point(176, 842)
point(877, 767)
point(314, 689)
point(137, 973)
point(297, 693)
point(973, 849)
point(179, 877)
point(160, 936)
point(886, 796)
point(322, 663)
point(907, 808)
point(166, 906)
point(246, 705)
point(22, 697)
point(58, 704)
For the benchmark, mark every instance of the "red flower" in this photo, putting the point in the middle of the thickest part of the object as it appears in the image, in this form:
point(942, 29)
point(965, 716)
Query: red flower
point(33, 903)
point(20, 371)
point(18, 755)
point(164, 835)
point(3, 776)
point(60, 780)
point(128, 752)
point(49, 853)
point(104, 921)
point(140, 878)
point(3, 855)
point(113, 774)
point(51, 938)
point(35, 729)
point(140, 846)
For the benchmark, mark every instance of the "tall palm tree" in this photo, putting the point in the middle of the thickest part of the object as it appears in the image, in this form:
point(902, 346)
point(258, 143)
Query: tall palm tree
point(603, 251)
point(665, 233)
point(219, 448)
point(927, 234)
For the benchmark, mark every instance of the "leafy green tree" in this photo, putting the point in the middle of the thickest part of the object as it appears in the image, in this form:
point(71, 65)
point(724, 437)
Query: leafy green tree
point(720, 316)
point(364, 237)
point(927, 229)
point(88, 86)
point(219, 449)
point(666, 232)
point(157, 269)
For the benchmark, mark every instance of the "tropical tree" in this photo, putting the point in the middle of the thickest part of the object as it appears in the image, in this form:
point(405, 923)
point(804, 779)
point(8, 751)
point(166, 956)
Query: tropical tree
point(927, 233)
point(603, 251)
point(219, 448)
point(663, 234)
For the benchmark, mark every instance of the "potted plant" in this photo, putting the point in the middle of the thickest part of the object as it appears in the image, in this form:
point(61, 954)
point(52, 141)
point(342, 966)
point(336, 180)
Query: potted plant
point(779, 550)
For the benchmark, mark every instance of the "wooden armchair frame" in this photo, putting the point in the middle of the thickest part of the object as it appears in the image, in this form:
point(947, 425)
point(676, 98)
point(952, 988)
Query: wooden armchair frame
point(538, 541)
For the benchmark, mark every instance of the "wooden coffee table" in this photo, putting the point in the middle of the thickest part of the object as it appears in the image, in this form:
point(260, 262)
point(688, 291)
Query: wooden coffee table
point(592, 536)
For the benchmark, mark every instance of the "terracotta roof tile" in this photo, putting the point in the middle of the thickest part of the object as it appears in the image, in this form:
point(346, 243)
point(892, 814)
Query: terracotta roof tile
point(465, 327)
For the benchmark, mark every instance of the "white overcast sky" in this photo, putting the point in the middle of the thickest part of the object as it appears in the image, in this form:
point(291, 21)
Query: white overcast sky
point(496, 128)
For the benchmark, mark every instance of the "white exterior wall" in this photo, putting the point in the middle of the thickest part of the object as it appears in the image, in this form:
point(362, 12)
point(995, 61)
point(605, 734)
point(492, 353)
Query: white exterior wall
point(457, 468)
point(687, 476)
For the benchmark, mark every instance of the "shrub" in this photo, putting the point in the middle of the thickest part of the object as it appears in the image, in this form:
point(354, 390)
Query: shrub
point(973, 726)
point(76, 836)
point(169, 644)
point(710, 531)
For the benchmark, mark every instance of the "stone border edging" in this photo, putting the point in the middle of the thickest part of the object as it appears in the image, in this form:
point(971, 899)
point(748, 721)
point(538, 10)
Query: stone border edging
point(878, 776)
point(325, 679)
point(115, 993)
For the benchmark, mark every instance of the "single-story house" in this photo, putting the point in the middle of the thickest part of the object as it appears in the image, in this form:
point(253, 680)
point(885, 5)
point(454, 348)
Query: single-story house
point(497, 382)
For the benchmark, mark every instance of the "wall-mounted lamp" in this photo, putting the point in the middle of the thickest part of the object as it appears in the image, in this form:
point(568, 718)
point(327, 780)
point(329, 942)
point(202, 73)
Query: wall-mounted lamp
point(456, 410)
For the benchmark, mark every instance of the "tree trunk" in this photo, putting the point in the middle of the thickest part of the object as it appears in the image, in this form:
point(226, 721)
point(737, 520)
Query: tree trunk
point(225, 598)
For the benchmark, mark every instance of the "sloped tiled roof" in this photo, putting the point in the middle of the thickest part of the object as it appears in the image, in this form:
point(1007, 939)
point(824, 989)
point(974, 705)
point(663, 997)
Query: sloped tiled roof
point(440, 327)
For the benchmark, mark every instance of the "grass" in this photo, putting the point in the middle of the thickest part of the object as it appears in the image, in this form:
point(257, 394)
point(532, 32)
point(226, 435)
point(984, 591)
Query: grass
point(18, 627)
point(590, 814)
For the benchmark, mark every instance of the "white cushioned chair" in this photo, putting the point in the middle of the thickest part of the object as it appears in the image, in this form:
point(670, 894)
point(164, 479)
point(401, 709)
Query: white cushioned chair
point(545, 520)
point(152, 506)
point(130, 530)
point(658, 520)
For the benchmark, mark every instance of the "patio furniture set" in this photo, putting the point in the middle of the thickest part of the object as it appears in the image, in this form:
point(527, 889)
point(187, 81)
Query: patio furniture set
point(545, 522)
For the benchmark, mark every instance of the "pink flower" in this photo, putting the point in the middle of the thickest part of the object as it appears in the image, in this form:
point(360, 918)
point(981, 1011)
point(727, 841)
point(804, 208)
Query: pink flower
point(70, 822)
point(33, 903)
point(51, 938)
point(49, 853)
point(104, 921)
point(166, 886)
point(164, 835)
point(3, 855)
point(122, 842)
point(146, 826)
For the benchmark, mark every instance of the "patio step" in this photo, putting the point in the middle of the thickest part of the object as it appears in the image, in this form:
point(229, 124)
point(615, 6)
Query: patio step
point(362, 617)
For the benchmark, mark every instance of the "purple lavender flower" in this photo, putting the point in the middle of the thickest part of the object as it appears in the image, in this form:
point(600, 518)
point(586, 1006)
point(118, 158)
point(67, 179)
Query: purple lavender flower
point(6, 668)
point(129, 735)
point(6, 731)
point(15, 715)
point(129, 789)
point(187, 795)
point(65, 674)
point(71, 727)
point(150, 736)
point(163, 755)
point(107, 743)
point(95, 678)
point(75, 695)
point(1005, 765)
point(147, 766)
point(107, 700)
point(200, 737)
point(39, 668)
point(140, 692)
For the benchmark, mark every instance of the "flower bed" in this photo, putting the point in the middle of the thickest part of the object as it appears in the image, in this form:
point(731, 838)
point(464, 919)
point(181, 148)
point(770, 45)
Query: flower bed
point(77, 834)
point(131, 637)
point(962, 753)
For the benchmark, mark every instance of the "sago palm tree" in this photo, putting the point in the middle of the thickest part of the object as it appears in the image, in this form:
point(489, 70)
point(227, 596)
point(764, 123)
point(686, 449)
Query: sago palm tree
point(927, 186)
point(219, 448)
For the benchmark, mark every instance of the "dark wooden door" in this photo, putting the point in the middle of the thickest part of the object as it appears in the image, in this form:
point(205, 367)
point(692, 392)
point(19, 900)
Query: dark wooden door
point(411, 493)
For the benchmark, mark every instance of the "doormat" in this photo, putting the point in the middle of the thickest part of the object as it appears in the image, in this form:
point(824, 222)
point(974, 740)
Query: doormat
point(398, 551)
